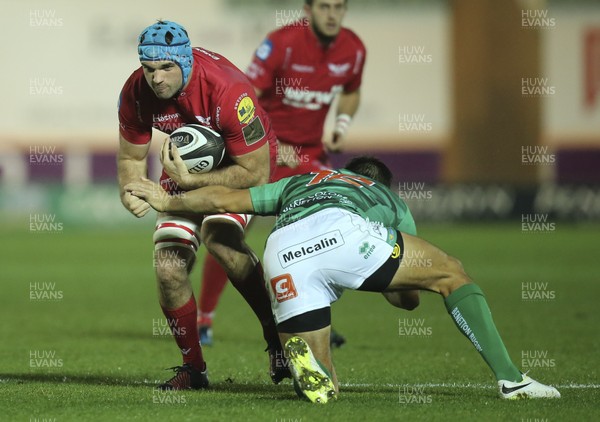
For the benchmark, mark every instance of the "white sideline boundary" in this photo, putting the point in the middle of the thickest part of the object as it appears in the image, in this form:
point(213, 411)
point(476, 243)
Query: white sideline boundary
point(469, 385)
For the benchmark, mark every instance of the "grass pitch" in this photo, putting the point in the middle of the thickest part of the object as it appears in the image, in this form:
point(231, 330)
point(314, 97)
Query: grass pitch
point(81, 335)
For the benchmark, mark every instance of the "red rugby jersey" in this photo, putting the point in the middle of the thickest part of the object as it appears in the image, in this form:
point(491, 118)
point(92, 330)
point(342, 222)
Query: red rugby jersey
point(300, 78)
point(218, 95)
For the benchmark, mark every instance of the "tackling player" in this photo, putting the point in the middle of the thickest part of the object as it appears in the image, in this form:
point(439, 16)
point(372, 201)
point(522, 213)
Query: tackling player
point(297, 72)
point(346, 229)
point(176, 85)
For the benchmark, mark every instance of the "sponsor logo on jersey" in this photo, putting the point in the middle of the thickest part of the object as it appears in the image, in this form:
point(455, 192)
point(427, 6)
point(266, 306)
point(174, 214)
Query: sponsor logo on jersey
point(203, 120)
point(159, 118)
point(245, 108)
point(303, 68)
point(283, 288)
point(167, 122)
point(218, 117)
point(310, 100)
point(310, 248)
point(264, 50)
point(338, 69)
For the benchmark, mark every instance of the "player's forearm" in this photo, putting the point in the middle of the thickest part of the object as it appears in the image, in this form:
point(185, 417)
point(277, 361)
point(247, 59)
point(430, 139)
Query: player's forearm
point(234, 176)
point(347, 106)
point(131, 162)
point(196, 201)
point(348, 103)
point(130, 170)
point(208, 200)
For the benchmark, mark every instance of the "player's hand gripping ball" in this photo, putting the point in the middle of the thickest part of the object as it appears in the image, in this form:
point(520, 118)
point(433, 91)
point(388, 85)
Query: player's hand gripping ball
point(201, 148)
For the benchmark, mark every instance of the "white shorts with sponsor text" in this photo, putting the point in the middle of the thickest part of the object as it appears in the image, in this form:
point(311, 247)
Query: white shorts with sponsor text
point(309, 263)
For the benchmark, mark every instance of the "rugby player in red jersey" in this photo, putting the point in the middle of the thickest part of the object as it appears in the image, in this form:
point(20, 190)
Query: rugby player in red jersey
point(297, 72)
point(178, 85)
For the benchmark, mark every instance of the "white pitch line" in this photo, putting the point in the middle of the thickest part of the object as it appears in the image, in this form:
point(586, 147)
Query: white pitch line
point(349, 384)
point(453, 385)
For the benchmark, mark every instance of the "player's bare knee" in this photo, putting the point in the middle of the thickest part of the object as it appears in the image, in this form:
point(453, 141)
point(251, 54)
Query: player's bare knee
point(172, 266)
point(454, 276)
point(225, 242)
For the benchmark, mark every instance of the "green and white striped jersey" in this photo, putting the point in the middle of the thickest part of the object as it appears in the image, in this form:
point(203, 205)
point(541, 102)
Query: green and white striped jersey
point(296, 197)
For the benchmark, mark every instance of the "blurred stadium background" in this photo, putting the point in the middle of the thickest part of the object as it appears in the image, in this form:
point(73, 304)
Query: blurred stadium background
point(505, 97)
point(488, 113)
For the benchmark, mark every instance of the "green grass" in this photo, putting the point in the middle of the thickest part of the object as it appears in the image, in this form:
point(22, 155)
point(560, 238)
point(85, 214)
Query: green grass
point(101, 335)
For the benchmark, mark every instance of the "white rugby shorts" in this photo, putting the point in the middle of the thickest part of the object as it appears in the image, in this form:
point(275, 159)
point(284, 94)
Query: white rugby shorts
point(309, 263)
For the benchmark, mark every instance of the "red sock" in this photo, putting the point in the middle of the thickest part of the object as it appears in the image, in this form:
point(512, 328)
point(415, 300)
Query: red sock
point(214, 280)
point(183, 326)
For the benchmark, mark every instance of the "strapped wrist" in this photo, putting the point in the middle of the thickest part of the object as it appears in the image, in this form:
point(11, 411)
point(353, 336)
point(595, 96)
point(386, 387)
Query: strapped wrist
point(342, 122)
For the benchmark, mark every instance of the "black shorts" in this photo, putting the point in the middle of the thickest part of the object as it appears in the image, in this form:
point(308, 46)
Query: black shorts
point(308, 321)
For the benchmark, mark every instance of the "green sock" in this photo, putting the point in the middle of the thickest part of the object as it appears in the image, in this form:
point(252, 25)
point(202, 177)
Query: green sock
point(471, 314)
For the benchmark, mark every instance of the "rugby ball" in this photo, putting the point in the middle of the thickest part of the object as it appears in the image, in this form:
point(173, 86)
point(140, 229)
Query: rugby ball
point(201, 148)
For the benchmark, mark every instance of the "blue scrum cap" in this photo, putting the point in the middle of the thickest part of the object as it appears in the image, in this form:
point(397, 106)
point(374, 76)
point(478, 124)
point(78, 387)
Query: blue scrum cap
point(168, 41)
